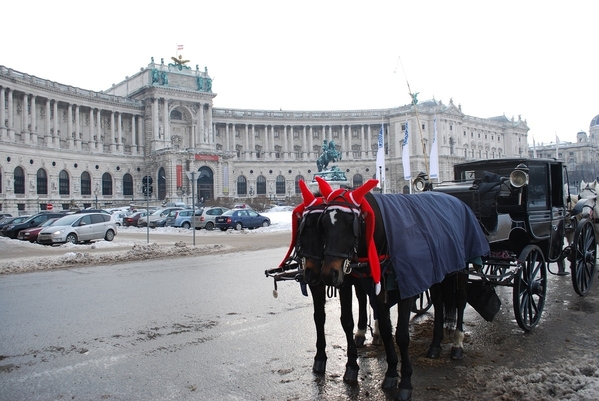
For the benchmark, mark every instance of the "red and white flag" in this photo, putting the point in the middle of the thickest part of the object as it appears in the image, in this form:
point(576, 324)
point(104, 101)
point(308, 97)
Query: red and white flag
point(179, 47)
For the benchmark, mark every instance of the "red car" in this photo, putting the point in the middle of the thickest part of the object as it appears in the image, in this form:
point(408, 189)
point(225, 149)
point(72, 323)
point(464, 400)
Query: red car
point(30, 234)
point(132, 219)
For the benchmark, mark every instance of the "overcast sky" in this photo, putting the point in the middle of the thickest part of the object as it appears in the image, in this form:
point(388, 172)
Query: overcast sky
point(535, 59)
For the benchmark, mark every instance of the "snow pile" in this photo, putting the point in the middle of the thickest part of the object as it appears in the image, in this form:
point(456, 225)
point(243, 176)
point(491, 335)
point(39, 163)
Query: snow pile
point(576, 379)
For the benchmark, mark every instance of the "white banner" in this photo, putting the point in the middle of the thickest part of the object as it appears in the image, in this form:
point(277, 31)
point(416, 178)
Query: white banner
point(434, 173)
point(380, 158)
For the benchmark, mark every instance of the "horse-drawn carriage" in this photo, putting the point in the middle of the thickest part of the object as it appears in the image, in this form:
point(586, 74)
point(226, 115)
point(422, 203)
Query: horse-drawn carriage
point(499, 223)
point(522, 206)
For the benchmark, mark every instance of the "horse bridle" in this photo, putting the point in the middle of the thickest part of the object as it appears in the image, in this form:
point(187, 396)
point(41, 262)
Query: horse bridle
point(299, 249)
point(346, 207)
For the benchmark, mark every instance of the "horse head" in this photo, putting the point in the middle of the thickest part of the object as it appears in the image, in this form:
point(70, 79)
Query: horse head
point(342, 227)
point(588, 190)
point(310, 239)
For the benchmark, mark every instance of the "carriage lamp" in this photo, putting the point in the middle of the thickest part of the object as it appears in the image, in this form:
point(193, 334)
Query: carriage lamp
point(422, 183)
point(519, 177)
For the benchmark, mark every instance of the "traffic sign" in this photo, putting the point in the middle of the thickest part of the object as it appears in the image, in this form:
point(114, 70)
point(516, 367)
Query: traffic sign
point(49, 206)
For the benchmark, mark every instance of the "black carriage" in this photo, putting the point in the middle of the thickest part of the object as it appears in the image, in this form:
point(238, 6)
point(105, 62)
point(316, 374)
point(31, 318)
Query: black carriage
point(522, 206)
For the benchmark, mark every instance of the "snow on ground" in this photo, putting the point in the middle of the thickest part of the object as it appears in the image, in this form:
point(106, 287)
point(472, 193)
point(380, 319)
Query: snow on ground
point(79, 255)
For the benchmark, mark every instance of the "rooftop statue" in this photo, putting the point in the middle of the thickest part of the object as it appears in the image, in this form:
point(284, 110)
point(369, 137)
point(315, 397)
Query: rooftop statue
point(179, 62)
point(329, 154)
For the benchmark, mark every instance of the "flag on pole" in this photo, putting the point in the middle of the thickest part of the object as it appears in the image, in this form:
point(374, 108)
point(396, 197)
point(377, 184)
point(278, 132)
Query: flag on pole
point(380, 159)
point(405, 155)
point(179, 47)
point(556, 146)
point(434, 173)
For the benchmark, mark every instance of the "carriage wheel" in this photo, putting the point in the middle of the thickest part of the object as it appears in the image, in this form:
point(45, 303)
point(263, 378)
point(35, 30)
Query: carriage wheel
point(422, 303)
point(530, 287)
point(584, 257)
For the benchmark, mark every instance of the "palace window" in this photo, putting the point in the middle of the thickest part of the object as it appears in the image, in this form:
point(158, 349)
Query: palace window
point(63, 183)
point(106, 184)
point(42, 182)
point(19, 181)
point(86, 183)
point(127, 185)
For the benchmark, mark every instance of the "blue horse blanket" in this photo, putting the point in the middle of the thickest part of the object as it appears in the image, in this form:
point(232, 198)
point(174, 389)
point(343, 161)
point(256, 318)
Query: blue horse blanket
point(430, 235)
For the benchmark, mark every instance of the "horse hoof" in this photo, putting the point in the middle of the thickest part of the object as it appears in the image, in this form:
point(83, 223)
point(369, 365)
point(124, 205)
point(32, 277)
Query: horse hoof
point(390, 383)
point(457, 353)
point(404, 394)
point(433, 352)
point(319, 367)
point(351, 375)
point(360, 341)
point(377, 340)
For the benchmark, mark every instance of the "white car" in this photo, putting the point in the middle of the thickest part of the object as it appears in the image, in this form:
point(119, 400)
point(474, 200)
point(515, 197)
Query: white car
point(80, 227)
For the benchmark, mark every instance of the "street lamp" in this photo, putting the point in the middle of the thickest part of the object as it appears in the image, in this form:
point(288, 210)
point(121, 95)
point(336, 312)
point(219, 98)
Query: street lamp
point(96, 193)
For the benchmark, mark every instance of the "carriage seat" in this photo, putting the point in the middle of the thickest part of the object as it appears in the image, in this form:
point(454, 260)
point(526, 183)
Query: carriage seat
point(487, 189)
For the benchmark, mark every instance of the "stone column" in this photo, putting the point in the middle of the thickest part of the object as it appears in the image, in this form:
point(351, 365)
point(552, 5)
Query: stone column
point(33, 120)
point(343, 148)
point(25, 136)
point(10, 112)
point(77, 127)
point(226, 137)
point(246, 143)
point(211, 132)
point(233, 139)
point(70, 133)
point(266, 144)
point(56, 134)
point(120, 146)
point(368, 141)
point(165, 122)
point(133, 134)
point(99, 141)
point(112, 143)
point(311, 141)
point(3, 135)
point(91, 140)
point(48, 133)
point(200, 132)
point(304, 150)
point(155, 123)
point(253, 150)
point(363, 146)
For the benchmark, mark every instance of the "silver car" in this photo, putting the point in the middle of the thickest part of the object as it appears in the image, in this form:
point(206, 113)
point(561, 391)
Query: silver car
point(75, 228)
point(206, 218)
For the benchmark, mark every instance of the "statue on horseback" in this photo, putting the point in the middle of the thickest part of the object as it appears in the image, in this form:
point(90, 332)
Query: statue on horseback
point(329, 154)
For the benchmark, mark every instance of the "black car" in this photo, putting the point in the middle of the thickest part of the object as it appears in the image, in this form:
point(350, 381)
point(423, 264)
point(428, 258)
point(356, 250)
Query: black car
point(12, 230)
point(241, 218)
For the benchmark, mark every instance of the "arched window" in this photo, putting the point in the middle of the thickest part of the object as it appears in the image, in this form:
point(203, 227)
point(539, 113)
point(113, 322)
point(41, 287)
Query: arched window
point(42, 182)
point(242, 185)
point(63, 183)
point(106, 184)
point(86, 183)
point(261, 185)
point(127, 185)
point(297, 180)
point(357, 180)
point(280, 185)
point(19, 183)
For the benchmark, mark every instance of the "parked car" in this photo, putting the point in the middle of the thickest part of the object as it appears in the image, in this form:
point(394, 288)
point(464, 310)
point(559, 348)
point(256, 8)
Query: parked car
point(241, 218)
point(206, 218)
point(30, 234)
point(12, 230)
point(3, 215)
point(181, 218)
point(118, 217)
point(157, 218)
point(13, 220)
point(131, 220)
point(80, 227)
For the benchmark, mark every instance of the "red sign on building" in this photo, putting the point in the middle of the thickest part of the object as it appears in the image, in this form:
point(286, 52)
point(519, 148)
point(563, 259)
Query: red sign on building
point(206, 157)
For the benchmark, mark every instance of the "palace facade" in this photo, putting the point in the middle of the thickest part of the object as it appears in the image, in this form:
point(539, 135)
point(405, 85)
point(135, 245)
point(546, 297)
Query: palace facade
point(65, 146)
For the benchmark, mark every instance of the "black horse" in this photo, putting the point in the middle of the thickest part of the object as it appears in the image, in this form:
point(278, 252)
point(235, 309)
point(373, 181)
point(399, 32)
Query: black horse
point(351, 228)
point(307, 237)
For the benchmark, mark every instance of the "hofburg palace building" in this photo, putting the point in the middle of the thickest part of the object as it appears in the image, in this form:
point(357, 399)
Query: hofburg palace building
point(66, 146)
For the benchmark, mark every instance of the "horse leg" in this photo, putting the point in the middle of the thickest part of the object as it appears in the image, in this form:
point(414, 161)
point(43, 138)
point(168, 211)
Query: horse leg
point(360, 337)
point(457, 349)
point(434, 350)
point(376, 335)
point(402, 337)
point(347, 322)
point(386, 334)
point(318, 299)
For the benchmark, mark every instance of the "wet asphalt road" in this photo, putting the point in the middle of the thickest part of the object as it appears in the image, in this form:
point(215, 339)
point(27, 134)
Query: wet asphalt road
point(208, 328)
